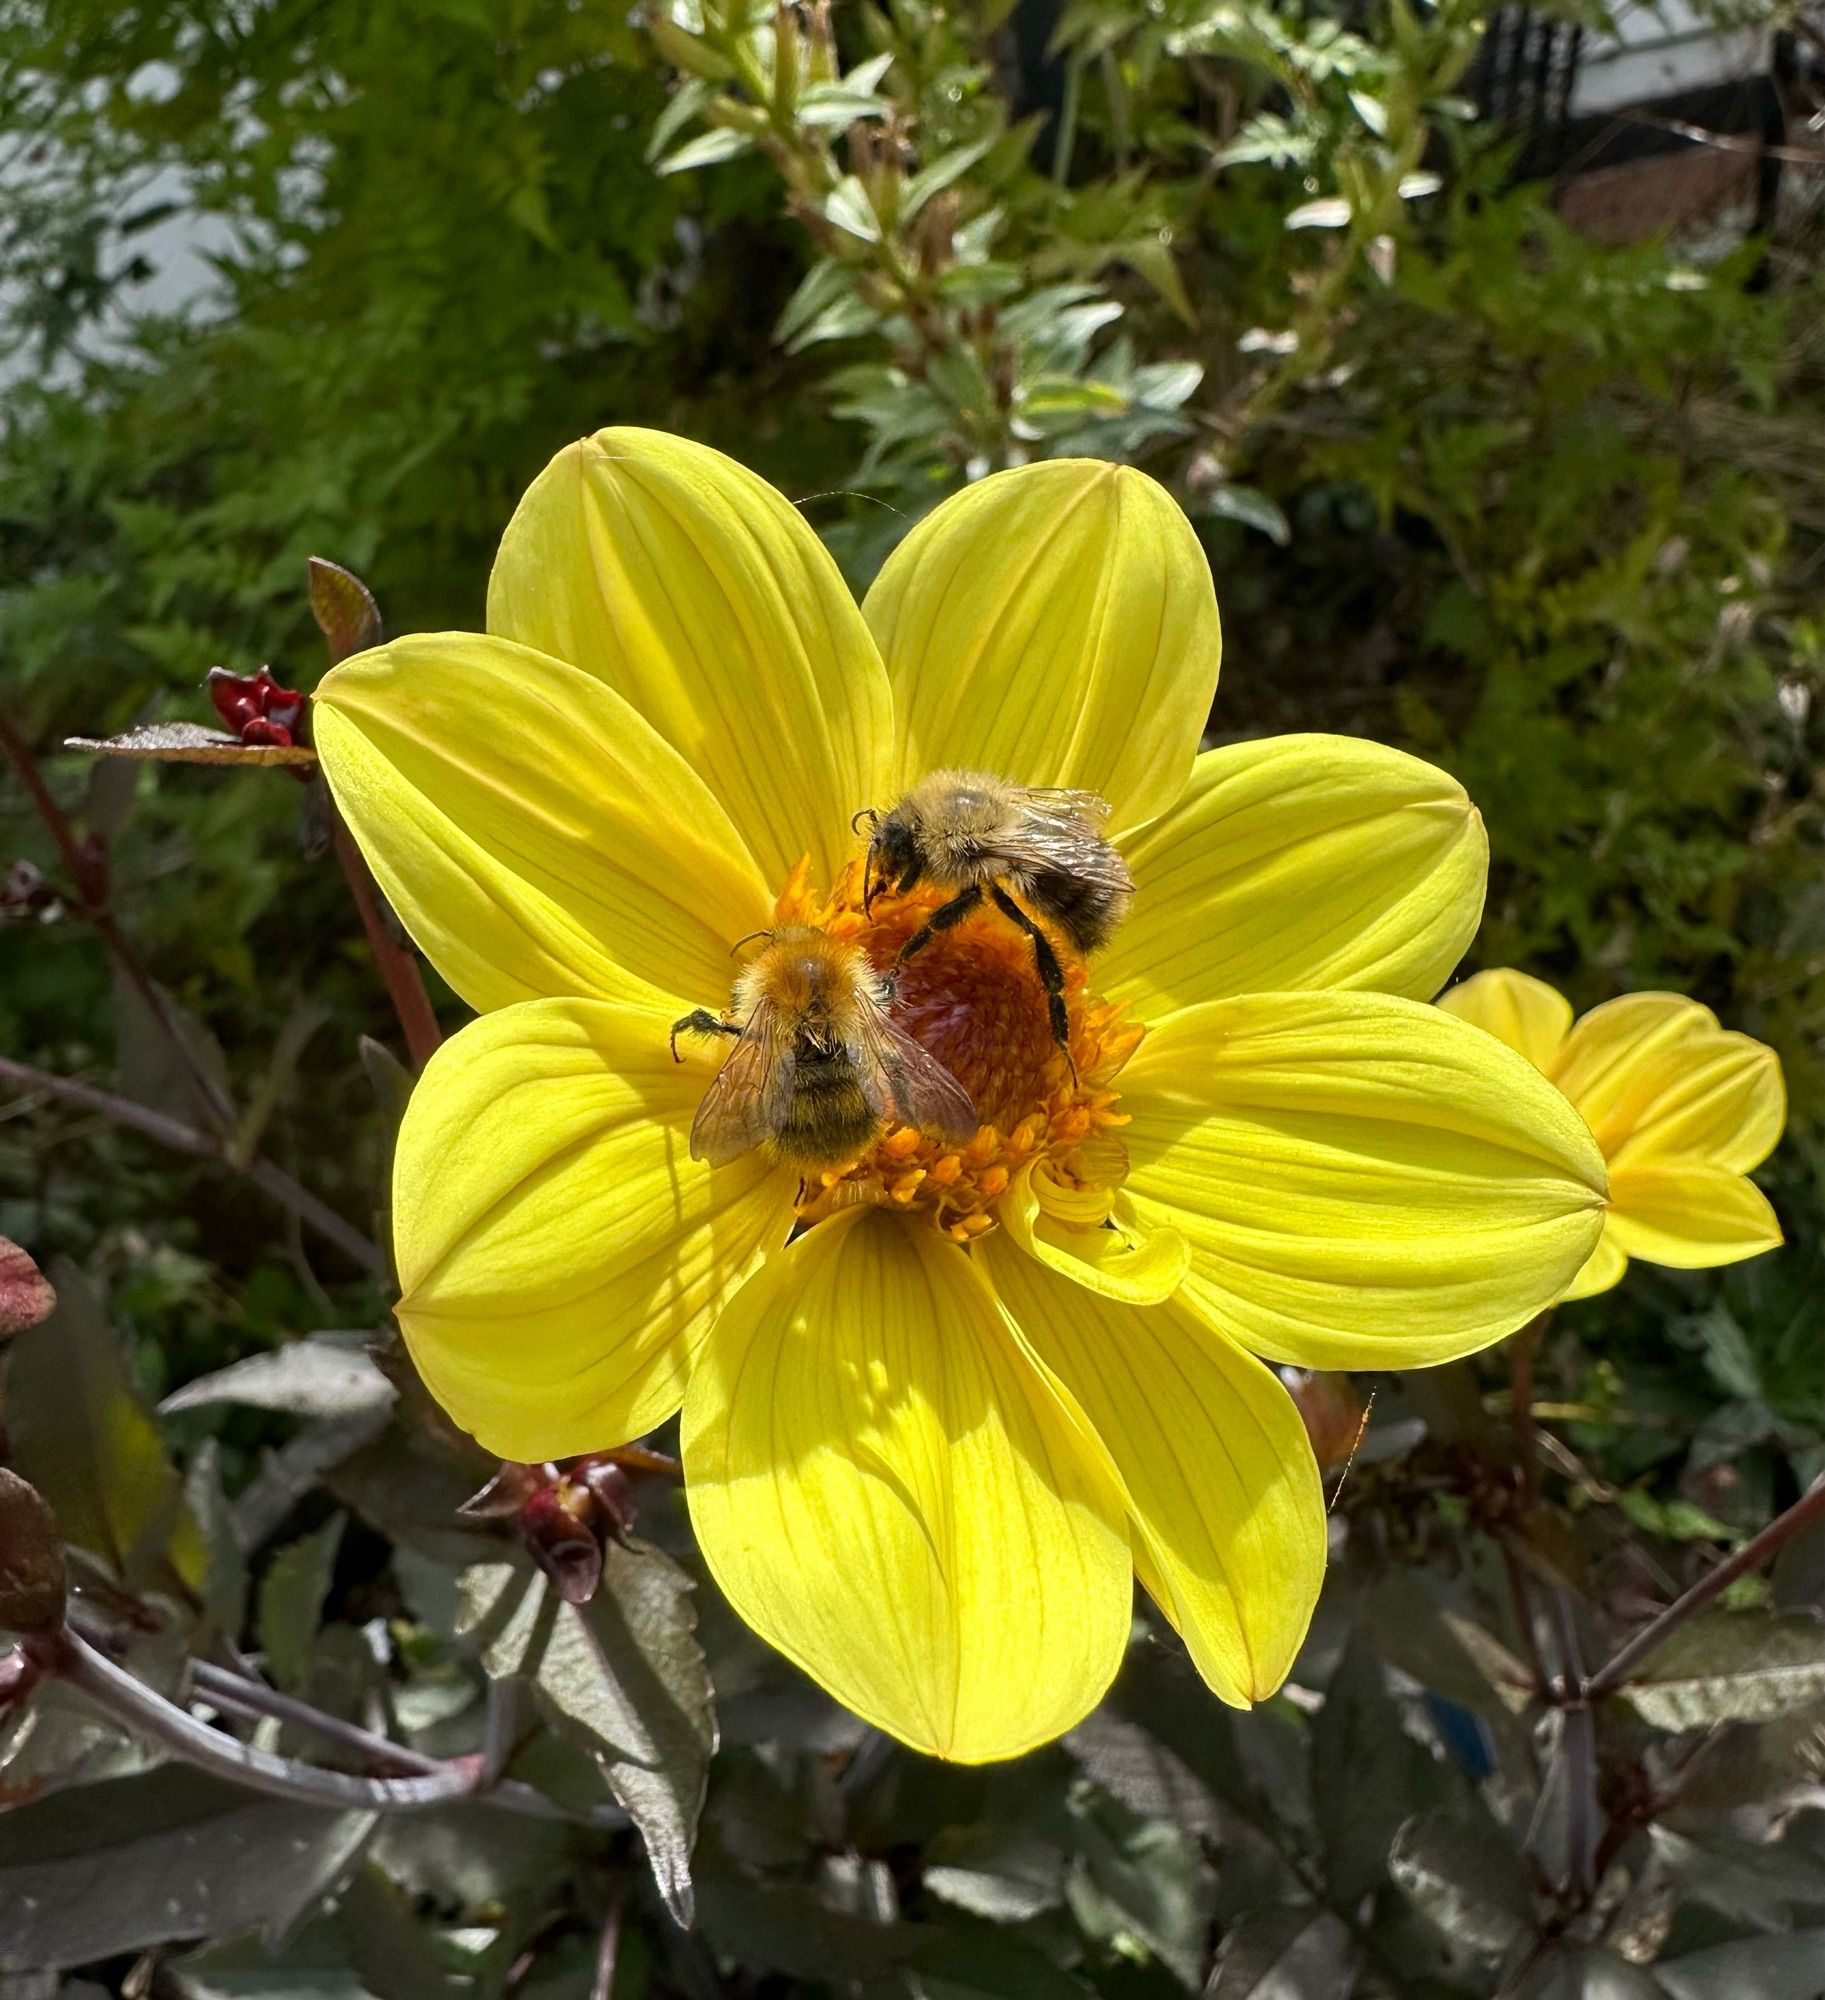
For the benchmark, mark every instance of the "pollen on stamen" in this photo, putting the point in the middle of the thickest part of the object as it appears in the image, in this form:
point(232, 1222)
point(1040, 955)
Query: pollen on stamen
point(973, 998)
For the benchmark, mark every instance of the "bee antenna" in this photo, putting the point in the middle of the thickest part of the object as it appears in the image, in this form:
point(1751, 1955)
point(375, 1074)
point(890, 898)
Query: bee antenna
point(868, 813)
point(749, 939)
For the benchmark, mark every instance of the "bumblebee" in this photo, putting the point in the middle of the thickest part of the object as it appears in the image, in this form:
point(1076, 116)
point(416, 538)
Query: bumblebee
point(819, 1065)
point(1012, 845)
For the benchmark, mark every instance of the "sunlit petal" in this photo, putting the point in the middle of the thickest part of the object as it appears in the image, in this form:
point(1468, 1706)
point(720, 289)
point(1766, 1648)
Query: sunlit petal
point(1365, 1182)
point(1690, 1215)
point(1603, 1269)
point(1516, 1008)
point(560, 1252)
point(1114, 1255)
point(1222, 1485)
point(699, 593)
point(535, 836)
point(888, 1492)
point(1055, 625)
point(1659, 1081)
point(1300, 862)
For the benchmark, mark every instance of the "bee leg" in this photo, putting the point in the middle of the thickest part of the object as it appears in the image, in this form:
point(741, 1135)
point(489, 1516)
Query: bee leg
point(953, 912)
point(1051, 973)
point(700, 1021)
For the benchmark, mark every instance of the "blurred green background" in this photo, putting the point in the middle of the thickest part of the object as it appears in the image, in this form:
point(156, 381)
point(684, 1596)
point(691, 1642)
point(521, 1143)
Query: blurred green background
point(336, 277)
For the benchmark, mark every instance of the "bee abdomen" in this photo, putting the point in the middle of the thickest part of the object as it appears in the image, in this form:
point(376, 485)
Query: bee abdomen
point(1087, 912)
point(829, 1119)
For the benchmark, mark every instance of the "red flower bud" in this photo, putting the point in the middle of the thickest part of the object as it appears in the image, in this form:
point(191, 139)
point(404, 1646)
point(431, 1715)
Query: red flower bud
point(255, 707)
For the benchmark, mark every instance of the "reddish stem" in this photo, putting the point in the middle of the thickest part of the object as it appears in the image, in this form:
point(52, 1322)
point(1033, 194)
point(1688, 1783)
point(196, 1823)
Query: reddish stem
point(405, 984)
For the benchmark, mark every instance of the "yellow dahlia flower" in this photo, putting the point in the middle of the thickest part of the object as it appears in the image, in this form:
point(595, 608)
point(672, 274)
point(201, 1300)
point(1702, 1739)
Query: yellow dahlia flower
point(939, 1405)
point(1681, 1107)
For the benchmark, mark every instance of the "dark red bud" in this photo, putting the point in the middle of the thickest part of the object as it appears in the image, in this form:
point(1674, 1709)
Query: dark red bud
point(255, 707)
point(563, 1546)
point(506, 1493)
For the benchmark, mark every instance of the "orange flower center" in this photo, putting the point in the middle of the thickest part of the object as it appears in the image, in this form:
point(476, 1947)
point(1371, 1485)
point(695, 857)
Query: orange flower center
point(973, 998)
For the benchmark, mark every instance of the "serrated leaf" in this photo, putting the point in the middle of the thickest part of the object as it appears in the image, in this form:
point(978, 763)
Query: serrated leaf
point(31, 1558)
point(190, 743)
point(624, 1676)
point(172, 1853)
point(1732, 1667)
point(344, 609)
point(26, 1296)
point(81, 1435)
point(291, 1601)
point(1461, 1872)
point(322, 1376)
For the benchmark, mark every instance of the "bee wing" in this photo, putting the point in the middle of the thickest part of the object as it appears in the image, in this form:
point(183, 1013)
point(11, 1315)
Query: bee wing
point(747, 1096)
point(903, 1080)
point(1062, 831)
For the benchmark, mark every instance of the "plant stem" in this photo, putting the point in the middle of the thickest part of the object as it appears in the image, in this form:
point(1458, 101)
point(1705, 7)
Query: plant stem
point(237, 1694)
point(398, 968)
point(154, 1125)
point(89, 879)
point(610, 1947)
point(1578, 1751)
point(1779, 1532)
point(114, 1690)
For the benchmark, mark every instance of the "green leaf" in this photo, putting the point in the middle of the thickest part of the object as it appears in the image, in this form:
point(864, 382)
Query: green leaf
point(939, 175)
point(224, 1585)
point(1285, 1952)
point(847, 205)
point(721, 142)
point(173, 1853)
point(624, 1676)
point(291, 1602)
point(1142, 1880)
point(327, 1375)
point(1379, 1776)
point(1460, 1870)
point(996, 1872)
point(1760, 1968)
point(1731, 1667)
point(395, 1955)
point(81, 1435)
point(1253, 509)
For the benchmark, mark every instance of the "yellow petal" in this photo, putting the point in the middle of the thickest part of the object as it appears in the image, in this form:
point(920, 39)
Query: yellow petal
point(888, 1492)
point(1223, 1489)
point(1365, 1182)
point(1300, 862)
point(1658, 1080)
point(1516, 1008)
point(560, 1251)
point(1055, 625)
point(1690, 1216)
point(1604, 1268)
point(700, 594)
point(1117, 1256)
point(535, 836)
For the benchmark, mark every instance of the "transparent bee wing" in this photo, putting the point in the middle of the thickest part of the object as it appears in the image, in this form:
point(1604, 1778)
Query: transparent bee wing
point(1061, 832)
point(746, 1100)
point(903, 1080)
